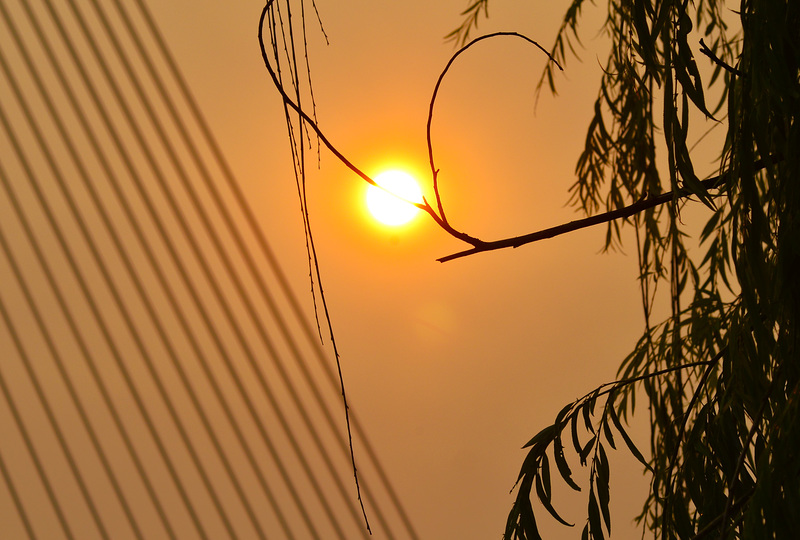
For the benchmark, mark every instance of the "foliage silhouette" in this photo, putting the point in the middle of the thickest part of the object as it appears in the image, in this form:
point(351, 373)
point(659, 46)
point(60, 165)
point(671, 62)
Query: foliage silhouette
point(721, 375)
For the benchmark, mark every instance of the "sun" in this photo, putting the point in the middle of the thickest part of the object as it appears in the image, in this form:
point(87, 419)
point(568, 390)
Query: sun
point(390, 205)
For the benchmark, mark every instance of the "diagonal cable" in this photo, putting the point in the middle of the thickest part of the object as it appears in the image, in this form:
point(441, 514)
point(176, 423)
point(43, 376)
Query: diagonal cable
point(120, 146)
point(27, 438)
point(187, 232)
point(73, 393)
point(85, 290)
point(250, 356)
point(158, 324)
point(62, 441)
point(68, 383)
point(159, 176)
point(37, 462)
point(86, 354)
point(216, 197)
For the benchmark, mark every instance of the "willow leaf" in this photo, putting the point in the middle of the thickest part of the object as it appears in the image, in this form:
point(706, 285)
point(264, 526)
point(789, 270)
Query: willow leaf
point(561, 463)
point(628, 441)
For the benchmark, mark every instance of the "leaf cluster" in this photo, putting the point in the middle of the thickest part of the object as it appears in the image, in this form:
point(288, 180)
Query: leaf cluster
point(460, 36)
point(721, 374)
point(588, 437)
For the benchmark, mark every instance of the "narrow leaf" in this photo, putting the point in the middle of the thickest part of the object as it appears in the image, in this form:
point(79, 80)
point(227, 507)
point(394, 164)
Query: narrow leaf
point(587, 419)
point(544, 498)
point(544, 436)
point(594, 517)
point(587, 449)
point(544, 474)
point(561, 463)
point(607, 432)
point(561, 414)
point(576, 442)
point(631, 446)
point(603, 493)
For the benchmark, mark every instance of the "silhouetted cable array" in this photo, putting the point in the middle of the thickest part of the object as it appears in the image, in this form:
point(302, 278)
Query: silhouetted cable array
point(182, 403)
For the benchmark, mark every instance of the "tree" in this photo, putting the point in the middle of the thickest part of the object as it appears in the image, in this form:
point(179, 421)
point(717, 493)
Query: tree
point(721, 375)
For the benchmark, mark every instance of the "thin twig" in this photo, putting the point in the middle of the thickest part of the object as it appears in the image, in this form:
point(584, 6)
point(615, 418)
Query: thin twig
point(305, 118)
point(695, 396)
point(434, 170)
point(706, 51)
point(627, 211)
point(614, 386)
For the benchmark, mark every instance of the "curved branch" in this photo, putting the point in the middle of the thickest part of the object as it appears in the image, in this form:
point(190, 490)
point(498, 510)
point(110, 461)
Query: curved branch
point(438, 214)
point(295, 107)
point(438, 217)
point(434, 170)
point(425, 206)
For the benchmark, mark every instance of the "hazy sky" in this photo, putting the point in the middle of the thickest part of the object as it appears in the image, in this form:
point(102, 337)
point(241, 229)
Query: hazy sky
point(450, 367)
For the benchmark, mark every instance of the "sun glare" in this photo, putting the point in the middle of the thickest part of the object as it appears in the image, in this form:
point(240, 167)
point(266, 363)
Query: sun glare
point(389, 209)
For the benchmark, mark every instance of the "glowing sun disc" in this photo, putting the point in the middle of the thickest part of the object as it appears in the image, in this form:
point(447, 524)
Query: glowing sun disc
point(387, 208)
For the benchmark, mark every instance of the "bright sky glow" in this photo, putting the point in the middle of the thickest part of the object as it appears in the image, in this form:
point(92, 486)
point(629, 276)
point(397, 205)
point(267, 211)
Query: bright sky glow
point(390, 209)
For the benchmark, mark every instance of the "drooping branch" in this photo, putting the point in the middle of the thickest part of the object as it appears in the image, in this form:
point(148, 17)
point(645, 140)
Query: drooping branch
point(296, 107)
point(535, 470)
point(305, 118)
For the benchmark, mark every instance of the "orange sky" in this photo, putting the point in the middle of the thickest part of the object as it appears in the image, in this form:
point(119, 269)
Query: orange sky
point(450, 367)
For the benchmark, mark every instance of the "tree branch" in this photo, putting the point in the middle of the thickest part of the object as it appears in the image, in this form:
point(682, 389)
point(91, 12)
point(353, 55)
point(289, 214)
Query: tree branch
point(610, 387)
point(287, 101)
point(635, 208)
point(478, 245)
point(516, 241)
point(706, 51)
point(434, 170)
point(712, 526)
